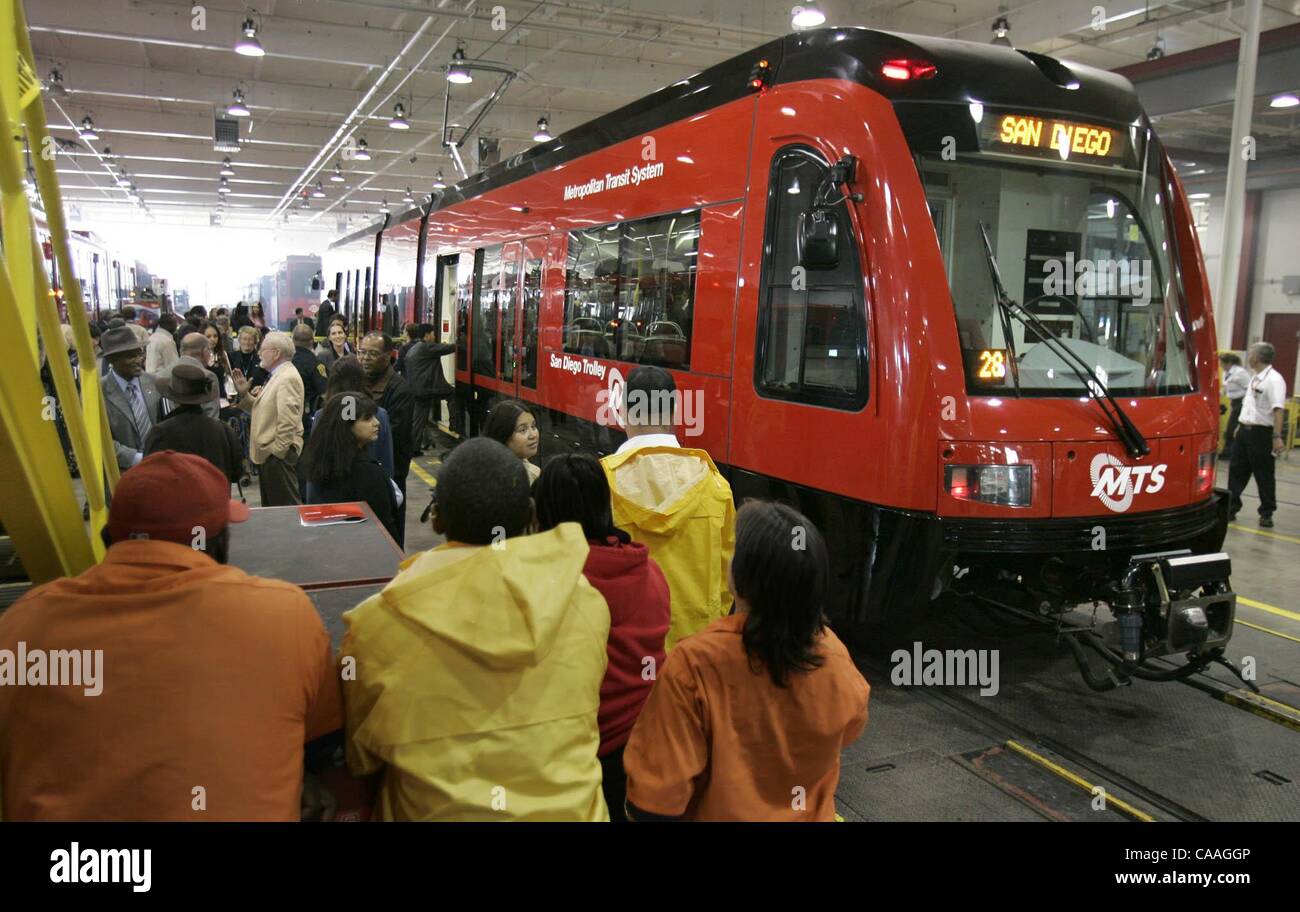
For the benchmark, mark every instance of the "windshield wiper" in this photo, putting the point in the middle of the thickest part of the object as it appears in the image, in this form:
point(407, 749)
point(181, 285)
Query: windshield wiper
point(1125, 429)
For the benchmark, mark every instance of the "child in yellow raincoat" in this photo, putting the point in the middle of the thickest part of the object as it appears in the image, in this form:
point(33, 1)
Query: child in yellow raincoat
point(478, 668)
point(673, 500)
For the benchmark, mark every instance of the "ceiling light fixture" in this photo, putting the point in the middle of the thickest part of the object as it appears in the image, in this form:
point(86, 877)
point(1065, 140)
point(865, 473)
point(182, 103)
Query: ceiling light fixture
point(54, 85)
point(237, 108)
point(399, 121)
point(809, 15)
point(122, 180)
point(362, 151)
point(1001, 31)
point(410, 197)
point(319, 191)
point(337, 176)
point(1284, 101)
point(87, 130)
point(543, 133)
point(224, 186)
point(438, 182)
point(226, 169)
point(1157, 50)
point(248, 45)
point(457, 70)
point(383, 207)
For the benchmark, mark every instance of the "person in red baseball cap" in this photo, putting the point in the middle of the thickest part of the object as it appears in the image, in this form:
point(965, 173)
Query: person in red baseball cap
point(198, 518)
point(197, 687)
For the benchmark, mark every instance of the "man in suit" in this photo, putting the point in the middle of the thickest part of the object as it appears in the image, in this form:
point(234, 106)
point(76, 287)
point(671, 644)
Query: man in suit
point(130, 395)
point(194, 350)
point(187, 429)
point(275, 437)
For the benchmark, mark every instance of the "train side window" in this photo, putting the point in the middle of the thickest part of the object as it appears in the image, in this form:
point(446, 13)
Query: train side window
point(812, 335)
point(487, 305)
point(630, 289)
point(532, 302)
point(591, 290)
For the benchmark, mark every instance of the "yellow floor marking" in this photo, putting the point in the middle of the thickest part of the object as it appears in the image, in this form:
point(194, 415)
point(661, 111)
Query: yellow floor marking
point(1079, 781)
point(1276, 633)
point(1278, 535)
point(1271, 609)
point(423, 475)
point(1280, 713)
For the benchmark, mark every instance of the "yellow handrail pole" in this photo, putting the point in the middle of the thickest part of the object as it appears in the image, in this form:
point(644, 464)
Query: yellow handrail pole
point(84, 417)
point(15, 208)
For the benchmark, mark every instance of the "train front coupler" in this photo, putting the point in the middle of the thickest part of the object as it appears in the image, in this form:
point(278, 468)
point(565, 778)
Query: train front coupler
point(1163, 603)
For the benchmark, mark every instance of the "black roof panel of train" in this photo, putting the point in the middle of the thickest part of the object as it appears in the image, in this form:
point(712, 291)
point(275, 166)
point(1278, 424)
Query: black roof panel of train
point(967, 71)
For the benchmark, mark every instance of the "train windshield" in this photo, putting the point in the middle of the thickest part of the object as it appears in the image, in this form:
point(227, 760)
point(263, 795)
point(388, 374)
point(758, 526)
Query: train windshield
point(1076, 217)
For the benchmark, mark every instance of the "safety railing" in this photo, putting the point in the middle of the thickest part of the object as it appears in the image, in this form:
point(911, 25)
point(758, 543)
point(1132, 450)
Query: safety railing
point(38, 500)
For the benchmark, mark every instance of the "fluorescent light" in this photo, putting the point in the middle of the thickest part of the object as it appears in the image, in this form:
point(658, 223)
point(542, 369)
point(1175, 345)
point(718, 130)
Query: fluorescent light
point(1284, 101)
point(1198, 196)
point(248, 45)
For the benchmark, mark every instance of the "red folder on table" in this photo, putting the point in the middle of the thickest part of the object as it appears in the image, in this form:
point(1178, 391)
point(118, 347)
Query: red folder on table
point(331, 514)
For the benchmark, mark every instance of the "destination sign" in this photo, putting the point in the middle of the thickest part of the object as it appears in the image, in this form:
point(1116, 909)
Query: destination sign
point(1054, 138)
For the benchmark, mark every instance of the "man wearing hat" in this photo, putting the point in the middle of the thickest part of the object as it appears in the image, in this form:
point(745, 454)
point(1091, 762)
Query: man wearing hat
point(130, 395)
point(195, 686)
point(187, 429)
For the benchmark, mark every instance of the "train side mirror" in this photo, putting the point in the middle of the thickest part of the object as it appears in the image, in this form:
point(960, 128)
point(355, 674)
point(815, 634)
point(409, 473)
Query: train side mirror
point(817, 239)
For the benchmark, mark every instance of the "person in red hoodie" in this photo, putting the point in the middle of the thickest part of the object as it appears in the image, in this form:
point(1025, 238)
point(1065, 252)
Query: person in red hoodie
point(574, 489)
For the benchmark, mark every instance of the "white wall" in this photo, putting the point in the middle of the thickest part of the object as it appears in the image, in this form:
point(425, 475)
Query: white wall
point(213, 264)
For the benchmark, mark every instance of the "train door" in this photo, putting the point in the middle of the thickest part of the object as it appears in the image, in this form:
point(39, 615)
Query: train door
point(440, 310)
point(527, 334)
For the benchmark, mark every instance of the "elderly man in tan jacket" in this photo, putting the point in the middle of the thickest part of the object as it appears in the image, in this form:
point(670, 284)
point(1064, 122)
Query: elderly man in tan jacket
point(275, 438)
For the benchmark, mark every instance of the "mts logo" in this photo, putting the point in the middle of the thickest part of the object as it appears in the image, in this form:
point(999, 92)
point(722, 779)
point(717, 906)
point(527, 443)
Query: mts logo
point(1115, 484)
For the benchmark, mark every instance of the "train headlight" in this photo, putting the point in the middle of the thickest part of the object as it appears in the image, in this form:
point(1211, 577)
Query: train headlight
point(1004, 485)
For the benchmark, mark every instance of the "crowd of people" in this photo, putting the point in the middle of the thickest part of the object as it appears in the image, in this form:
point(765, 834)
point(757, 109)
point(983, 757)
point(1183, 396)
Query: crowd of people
point(594, 640)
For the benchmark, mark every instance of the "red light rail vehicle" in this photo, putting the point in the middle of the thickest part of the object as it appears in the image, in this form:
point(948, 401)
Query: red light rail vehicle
point(945, 298)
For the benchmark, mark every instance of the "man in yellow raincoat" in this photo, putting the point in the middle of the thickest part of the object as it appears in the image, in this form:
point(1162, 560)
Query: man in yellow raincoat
point(673, 500)
point(478, 668)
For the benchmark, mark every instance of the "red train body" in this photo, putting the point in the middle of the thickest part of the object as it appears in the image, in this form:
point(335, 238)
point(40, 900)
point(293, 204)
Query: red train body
point(861, 392)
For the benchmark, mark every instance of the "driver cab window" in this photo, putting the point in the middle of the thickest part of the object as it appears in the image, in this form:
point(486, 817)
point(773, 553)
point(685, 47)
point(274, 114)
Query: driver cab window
point(812, 337)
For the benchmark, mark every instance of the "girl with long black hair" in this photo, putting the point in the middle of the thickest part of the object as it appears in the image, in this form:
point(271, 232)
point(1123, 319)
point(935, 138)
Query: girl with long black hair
point(337, 464)
point(748, 717)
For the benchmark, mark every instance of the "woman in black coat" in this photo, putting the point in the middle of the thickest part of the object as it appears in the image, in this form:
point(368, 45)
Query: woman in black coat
point(337, 464)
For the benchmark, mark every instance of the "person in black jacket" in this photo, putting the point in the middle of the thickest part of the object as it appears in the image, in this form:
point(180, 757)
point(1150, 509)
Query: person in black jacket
point(428, 382)
point(337, 464)
point(390, 390)
point(313, 373)
point(186, 429)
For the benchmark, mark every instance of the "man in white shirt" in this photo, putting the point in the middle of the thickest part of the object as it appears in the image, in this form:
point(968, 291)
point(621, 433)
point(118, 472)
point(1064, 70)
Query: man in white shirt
point(1259, 434)
point(1235, 381)
point(161, 351)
